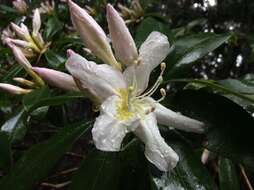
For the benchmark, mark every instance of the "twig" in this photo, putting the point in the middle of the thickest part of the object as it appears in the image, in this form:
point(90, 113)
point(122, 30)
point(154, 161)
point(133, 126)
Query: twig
point(64, 172)
point(56, 186)
point(246, 178)
point(74, 155)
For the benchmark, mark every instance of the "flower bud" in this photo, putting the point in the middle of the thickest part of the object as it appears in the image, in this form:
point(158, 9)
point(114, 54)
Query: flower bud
point(57, 78)
point(21, 59)
point(123, 43)
point(36, 22)
point(92, 34)
point(20, 6)
point(21, 31)
point(24, 81)
point(13, 89)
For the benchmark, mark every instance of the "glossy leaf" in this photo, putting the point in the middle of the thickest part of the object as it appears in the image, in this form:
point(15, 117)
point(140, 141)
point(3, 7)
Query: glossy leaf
point(15, 127)
point(113, 170)
point(230, 127)
point(53, 26)
point(228, 177)
point(54, 60)
point(189, 49)
point(40, 159)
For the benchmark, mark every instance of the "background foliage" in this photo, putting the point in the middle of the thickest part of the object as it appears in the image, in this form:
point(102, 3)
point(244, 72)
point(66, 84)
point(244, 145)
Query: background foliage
point(45, 140)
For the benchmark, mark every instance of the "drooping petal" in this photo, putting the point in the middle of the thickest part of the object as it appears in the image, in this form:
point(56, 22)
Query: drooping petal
point(108, 132)
point(151, 53)
point(92, 34)
point(170, 118)
point(102, 80)
point(123, 43)
point(57, 78)
point(157, 150)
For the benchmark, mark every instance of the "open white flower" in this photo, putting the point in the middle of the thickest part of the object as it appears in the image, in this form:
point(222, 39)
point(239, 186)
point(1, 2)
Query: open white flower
point(125, 105)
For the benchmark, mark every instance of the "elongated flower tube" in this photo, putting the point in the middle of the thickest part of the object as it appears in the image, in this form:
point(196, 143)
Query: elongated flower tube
point(57, 78)
point(126, 105)
point(13, 89)
point(121, 37)
point(92, 34)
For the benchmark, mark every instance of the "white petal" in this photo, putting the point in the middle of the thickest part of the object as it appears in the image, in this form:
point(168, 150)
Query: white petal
point(123, 43)
point(170, 118)
point(108, 132)
point(102, 80)
point(156, 149)
point(152, 52)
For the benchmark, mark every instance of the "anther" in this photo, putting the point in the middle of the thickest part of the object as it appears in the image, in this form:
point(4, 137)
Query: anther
point(163, 94)
point(138, 61)
point(163, 66)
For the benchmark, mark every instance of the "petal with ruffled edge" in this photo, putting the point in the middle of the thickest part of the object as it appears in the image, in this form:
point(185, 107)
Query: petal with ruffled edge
point(108, 132)
point(151, 53)
point(156, 149)
point(102, 80)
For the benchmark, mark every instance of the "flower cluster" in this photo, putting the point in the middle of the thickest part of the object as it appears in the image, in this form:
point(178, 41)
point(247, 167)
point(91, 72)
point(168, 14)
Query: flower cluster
point(119, 86)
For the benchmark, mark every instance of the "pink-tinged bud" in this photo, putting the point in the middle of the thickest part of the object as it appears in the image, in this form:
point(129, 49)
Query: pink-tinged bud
point(36, 22)
point(123, 43)
point(19, 56)
point(92, 34)
point(13, 89)
point(20, 43)
point(24, 81)
point(22, 60)
point(21, 31)
point(20, 6)
point(57, 78)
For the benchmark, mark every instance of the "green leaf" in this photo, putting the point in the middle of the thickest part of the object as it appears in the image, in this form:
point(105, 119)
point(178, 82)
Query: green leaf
point(15, 127)
point(5, 151)
point(227, 88)
point(41, 158)
point(230, 126)
point(189, 174)
point(54, 100)
point(100, 170)
point(189, 49)
point(228, 177)
point(35, 97)
point(53, 25)
point(54, 60)
point(13, 72)
point(113, 170)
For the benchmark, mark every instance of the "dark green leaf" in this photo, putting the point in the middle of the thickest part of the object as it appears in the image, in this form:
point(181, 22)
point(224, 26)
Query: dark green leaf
point(15, 127)
point(231, 127)
point(5, 151)
point(35, 97)
point(189, 49)
point(13, 72)
point(53, 26)
point(112, 171)
point(40, 159)
point(228, 177)
point(54, 60)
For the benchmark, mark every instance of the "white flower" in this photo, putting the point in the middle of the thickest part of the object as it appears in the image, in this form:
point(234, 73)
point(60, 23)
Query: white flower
point(125, 105)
